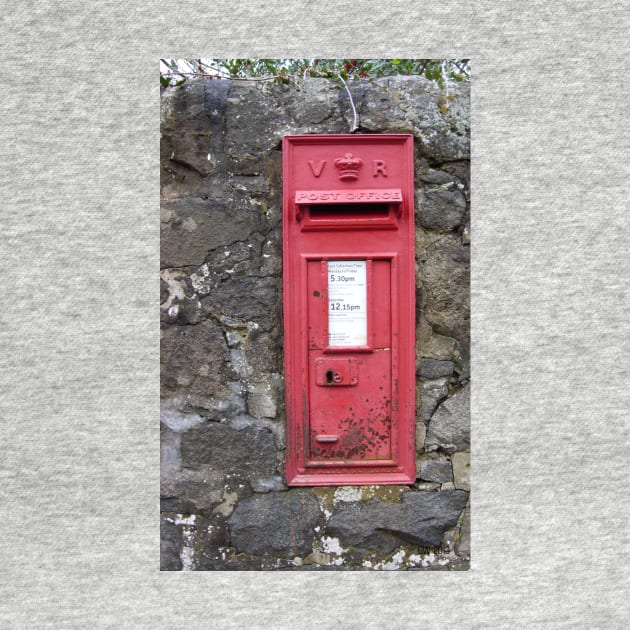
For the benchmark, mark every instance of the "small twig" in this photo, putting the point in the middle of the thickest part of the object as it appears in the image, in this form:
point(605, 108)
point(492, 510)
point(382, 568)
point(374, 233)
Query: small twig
point(355, 122)
point(463, 70)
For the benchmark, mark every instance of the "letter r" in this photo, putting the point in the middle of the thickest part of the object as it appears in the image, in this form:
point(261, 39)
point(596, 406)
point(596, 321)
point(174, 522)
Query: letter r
point(379, 167)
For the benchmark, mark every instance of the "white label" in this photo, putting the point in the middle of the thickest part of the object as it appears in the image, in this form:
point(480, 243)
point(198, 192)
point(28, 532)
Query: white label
point(347, 303)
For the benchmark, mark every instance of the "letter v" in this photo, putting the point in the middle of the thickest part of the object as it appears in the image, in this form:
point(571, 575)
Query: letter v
point(317, 168)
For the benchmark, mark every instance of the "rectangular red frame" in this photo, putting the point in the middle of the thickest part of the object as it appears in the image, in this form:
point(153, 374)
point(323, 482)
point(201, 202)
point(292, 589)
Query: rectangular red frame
point(309, 168)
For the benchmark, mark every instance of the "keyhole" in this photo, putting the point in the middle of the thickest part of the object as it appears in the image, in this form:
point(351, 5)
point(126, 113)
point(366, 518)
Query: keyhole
point(329, 377)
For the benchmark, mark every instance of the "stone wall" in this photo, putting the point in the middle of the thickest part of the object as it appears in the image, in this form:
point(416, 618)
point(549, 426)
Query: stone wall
point(224, 502)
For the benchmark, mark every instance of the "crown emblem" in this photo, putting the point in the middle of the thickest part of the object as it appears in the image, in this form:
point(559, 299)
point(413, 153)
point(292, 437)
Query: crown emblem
point(348, 166)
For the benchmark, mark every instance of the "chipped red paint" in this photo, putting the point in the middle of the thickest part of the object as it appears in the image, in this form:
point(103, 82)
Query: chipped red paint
point(348, 199)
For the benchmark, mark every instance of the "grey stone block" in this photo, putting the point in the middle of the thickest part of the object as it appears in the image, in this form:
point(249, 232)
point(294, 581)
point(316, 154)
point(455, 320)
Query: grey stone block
point(446, 284)
point(170, 545)
point(200, 489)
point(433, 368)
point(415, 105)
point(275, 523)
point(191, 227)
point(420, 518)
point(193, 359)
point(462, 546)
point(436, 470)
point(249, 450)
point(441, 208)
point(461, 470)
point(449, 428)
point(431, 393)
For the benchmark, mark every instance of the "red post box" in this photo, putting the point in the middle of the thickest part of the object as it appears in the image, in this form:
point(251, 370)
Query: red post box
point(349, 309)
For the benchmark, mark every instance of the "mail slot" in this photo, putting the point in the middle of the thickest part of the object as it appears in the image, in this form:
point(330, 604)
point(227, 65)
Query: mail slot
point(349, 309)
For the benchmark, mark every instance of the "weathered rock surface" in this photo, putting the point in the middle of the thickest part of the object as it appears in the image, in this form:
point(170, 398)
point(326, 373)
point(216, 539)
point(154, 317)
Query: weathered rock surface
point(441, 207)
point(227, 300)
point(433, 368)
point(170, 544)
point(193, 490)
point(275, 523)
point(191, 123)
point(420, 518)
point(431, 393)
point(461, 470)
point(192, 227)
point(249, 450)
point(447, 287)
point(449, 429)
point(436, 470)
point(193, 359)
point(462, 546)
point(439, 121)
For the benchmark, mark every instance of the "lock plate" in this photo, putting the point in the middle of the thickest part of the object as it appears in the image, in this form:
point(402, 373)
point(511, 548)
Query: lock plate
point(336, 372)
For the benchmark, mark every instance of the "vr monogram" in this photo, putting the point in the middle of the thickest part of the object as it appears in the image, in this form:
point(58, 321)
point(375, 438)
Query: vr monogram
point(348, 167)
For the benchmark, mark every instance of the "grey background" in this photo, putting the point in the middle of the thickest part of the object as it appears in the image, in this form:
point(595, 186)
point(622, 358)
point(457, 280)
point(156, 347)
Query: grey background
point(79, 330)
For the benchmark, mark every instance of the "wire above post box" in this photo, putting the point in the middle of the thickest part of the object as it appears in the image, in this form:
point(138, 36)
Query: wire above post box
point(349, 309)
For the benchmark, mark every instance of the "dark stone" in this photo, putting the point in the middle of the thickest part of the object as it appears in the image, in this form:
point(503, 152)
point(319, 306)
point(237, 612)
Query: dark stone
point(236, 259)
point(191, 227)
point(254, 126)
point(193, 359)
point(215, 93)
point(316, 101)
point(446, 288)
point(425, 516)
point(460, 171)
point(441, 208)
point(211, 541)
point(433, 368)
point(186, 124)
point(193, 491)
point(246, 299)
point(183, 312)
point(431, 393)
point(176, 505)
point(263, 351)
point(435, 177)
point(254, 185)
point(249, 450)
point(420, 518)
point(364, 525)
point(163, 291)
point(433, 470)
point(170, 545)
point(276, 523)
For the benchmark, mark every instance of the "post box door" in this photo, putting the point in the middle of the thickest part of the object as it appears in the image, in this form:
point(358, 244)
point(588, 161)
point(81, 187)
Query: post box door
point(350, 360)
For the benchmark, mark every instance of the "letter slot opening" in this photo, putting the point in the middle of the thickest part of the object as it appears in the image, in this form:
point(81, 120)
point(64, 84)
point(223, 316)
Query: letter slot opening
point(343, 211)
point(348, 216)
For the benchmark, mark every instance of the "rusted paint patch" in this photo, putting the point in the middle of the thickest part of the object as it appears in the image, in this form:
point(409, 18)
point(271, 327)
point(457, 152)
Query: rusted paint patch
point(358, 439)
